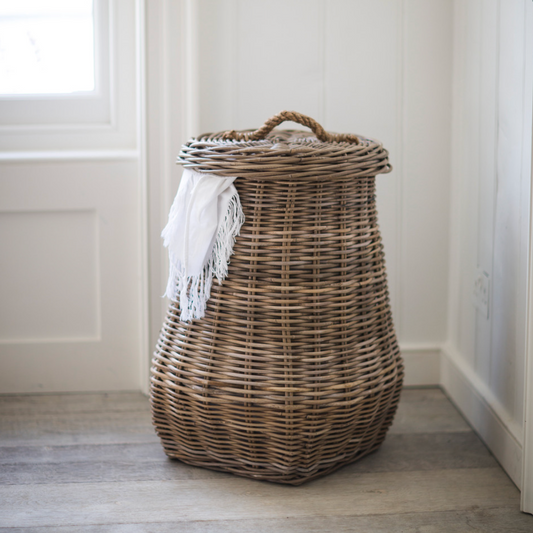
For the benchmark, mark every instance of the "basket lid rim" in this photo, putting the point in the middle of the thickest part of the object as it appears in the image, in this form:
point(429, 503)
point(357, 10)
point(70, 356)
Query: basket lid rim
point(292, 151)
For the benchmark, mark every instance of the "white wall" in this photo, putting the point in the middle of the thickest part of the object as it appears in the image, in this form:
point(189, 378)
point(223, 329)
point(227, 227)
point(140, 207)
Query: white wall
point(168, 31)
point(483, 361)
point(381, 68)
point(71, 233)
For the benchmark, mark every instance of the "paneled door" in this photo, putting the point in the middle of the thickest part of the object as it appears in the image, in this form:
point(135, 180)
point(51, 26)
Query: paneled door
point(71, 204)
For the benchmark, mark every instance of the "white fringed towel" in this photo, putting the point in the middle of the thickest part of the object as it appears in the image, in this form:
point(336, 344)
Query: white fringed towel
point(204, 220)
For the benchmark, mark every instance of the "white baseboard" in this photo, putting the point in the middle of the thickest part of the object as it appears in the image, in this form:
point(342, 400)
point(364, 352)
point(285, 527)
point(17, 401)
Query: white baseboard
point(422, 365)
point(501, 434)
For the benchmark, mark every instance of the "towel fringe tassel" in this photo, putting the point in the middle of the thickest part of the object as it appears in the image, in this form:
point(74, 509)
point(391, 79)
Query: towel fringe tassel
point(194, 291)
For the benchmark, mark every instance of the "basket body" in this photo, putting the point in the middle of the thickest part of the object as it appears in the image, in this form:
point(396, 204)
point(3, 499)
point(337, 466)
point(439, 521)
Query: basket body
point(295, 369)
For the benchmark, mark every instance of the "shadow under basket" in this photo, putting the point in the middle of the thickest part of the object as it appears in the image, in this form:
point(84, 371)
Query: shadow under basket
point(295, 370)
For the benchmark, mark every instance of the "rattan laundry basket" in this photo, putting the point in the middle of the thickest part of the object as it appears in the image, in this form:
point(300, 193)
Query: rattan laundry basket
point(295, 370)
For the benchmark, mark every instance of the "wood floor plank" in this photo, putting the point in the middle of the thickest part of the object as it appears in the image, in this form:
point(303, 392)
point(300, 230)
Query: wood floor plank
point(120, 418)
point(106, 472)
point(36, 404)
point(427, 411)
point(73, 453)
point(500, 520)
point(145, 462)
point(422, 394)
point(241, 499)
point(92, 462)
point(425, 451)
point(69, 419)
point(75, 428)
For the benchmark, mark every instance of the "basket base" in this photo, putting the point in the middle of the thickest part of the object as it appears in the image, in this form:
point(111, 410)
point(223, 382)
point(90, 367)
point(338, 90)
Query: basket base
point(276, 473)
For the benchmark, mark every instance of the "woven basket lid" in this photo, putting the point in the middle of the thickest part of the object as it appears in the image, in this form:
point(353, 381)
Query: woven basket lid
point(268, 153)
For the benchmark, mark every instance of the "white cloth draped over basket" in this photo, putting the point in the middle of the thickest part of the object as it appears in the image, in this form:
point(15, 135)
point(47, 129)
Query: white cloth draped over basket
point(205, 218)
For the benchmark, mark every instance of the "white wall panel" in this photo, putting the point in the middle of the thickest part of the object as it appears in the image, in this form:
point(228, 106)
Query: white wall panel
point(426, 168)
point(378, 68)
point(509, 296)
point(493, 71)
point(363, 89)
point(278, 61)
point(362, 57)
point(70, 251)
point(467, 134)
point(257, 58)
point(167, 32)
point(487, 183)
point(49, 286)
point(216, 64)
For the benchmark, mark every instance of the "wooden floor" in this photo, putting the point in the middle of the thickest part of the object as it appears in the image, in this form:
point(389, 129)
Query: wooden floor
point(92, 463)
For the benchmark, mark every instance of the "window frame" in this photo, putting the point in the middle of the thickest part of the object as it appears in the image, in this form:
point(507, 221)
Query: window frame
point(102, 119)
point(90, 107)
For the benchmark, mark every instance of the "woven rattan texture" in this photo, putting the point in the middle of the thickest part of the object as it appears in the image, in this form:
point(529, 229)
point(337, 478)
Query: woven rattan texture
point(295, 369)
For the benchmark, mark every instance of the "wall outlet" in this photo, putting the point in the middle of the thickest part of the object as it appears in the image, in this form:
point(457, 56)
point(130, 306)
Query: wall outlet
point(482, 292)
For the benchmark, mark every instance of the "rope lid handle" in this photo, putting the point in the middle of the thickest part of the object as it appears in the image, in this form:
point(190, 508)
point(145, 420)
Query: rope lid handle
point(304, 120)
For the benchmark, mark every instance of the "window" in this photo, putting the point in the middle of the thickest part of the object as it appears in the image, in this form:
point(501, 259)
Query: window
point(68, 75)
point(46, 47)
point(54, 63)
